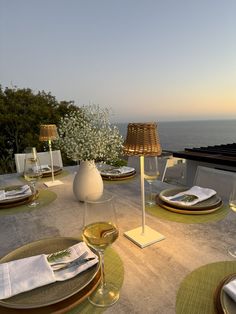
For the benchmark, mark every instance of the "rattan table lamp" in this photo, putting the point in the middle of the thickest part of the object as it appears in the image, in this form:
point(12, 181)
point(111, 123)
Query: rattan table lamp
point(142, 140)
point(48, 132)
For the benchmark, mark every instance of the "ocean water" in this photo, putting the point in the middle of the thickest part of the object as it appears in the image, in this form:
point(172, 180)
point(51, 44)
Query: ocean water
point(177, 135)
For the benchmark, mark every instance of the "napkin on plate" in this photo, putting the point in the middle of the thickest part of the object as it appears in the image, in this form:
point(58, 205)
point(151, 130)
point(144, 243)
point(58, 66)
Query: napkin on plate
point(31, 272)
point(230, 289)
point(24, 190)
point(117, 171)
point(45, 168)
point(202, 194)
point(42, 168)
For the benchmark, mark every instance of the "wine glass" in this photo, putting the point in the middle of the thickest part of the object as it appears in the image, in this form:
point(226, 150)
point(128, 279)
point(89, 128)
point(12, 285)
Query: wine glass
point(32, 173)
point(151, 173)
point(232, 205)
point(100, 231)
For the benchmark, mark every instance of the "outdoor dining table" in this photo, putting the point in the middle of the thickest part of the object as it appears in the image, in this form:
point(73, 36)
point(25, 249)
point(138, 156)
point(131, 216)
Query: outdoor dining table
point(161, 278)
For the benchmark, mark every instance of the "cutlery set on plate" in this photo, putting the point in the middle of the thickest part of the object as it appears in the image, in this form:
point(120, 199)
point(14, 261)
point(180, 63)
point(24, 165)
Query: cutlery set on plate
point(82, 259)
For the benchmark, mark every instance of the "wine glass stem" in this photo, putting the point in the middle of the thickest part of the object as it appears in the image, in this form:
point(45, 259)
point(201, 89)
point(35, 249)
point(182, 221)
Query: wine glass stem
point(103, 282)
point(33, 185)
point(150, 192)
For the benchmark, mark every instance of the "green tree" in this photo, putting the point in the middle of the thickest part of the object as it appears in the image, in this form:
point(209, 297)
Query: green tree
point(21, 113)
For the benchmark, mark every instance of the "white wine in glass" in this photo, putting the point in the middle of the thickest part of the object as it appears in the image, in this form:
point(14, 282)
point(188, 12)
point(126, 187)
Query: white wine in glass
point(32, 173)
point(100, 231)
point(232, 205)
point(100, 235)
point(151, 174)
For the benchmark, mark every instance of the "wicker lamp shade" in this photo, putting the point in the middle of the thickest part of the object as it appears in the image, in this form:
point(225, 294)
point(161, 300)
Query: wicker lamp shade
point(48, 132)
point(142, 139)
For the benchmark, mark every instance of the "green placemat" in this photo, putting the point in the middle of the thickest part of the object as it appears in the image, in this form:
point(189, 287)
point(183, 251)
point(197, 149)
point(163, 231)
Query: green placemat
point(45, 197)
point(114, 272)
point(162, 213)
point(196, 292)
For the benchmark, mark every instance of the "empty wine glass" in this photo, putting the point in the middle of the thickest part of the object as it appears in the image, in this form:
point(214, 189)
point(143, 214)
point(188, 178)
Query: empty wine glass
point(32, 173)
point(151, 173)
point(100, 231)
point(232, 205)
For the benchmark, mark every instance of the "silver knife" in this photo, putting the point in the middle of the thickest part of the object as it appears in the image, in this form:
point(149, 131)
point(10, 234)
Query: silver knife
point(76, 262)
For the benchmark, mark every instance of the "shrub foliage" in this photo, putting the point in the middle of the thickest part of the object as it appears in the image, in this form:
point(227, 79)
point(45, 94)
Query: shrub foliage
point(21, 113)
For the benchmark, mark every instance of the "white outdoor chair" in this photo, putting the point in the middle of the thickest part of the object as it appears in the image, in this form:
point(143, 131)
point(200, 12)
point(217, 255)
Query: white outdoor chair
point(220, 180)
point(44, 158)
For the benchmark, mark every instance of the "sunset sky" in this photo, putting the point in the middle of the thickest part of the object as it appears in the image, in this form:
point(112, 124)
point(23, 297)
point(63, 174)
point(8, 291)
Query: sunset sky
point(145, 59)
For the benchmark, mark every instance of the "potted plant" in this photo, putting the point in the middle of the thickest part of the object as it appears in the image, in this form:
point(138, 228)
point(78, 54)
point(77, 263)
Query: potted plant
point(86, 135)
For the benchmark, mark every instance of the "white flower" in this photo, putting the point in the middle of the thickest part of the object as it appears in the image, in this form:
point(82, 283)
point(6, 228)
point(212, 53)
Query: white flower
point(87, 134)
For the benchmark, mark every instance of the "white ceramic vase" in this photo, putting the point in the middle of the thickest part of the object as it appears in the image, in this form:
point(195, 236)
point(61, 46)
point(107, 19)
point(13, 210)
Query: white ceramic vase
point(87, 181)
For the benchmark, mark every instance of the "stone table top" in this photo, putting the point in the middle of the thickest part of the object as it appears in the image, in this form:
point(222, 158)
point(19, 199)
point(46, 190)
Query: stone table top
point(152, 274)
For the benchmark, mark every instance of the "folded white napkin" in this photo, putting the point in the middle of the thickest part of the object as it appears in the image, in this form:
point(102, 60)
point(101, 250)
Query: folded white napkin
point(24, 190)
point(125, 169)
point(230, 289)
point(45, 168)
point(201, 193)
point(29, 273)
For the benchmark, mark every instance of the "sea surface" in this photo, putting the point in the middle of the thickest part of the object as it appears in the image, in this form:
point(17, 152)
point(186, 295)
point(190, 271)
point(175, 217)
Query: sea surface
point(177, 135)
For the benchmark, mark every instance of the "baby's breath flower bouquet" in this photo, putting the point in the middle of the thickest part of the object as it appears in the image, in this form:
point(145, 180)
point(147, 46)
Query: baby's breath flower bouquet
point(87, 134)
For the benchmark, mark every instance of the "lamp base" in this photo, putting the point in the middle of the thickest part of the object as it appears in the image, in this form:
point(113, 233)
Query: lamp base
point(53, 183)
point(149, 236)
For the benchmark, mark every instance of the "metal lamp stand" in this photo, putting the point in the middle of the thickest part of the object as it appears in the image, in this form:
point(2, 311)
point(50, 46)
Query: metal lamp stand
point(53, 182)
point(144, 235)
